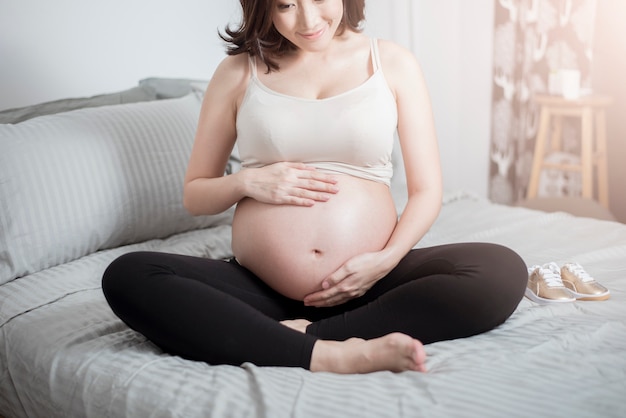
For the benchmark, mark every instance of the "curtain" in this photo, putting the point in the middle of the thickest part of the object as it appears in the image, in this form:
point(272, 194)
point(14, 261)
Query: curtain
point(532, 39)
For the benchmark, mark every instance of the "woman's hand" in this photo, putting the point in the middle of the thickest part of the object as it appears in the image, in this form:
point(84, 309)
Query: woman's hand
point(288, 183)
point(355, 277)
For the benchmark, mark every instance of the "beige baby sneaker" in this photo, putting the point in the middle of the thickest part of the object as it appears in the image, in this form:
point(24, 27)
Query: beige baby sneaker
point(581, 285)
point(545, 285)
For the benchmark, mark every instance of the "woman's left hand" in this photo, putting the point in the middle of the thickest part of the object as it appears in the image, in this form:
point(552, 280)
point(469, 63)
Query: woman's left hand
point(355, 277)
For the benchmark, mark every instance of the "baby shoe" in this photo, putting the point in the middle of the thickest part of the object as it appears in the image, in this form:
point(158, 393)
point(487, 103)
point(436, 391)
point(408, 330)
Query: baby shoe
point(581, 285)
point(545, 285)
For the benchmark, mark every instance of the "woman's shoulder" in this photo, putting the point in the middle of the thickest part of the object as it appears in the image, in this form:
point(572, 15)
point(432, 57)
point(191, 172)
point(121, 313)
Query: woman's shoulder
point(393, 54)
point(398, 63)
point(233, 68)
point(231, 76)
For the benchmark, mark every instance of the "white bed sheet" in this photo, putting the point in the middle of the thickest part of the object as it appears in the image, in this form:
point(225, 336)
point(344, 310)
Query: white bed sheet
point(64, 354)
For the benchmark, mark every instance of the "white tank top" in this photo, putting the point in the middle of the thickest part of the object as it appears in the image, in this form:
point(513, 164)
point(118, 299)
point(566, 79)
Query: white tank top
point(350, 133)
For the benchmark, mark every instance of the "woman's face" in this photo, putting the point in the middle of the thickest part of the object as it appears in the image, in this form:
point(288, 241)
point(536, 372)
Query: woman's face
point(308, 24)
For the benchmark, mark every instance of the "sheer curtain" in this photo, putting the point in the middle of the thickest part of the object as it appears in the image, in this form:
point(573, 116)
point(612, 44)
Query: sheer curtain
point(533, 38)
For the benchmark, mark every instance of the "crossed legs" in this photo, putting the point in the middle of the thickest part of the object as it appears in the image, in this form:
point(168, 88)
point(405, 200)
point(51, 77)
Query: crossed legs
point(219, 312)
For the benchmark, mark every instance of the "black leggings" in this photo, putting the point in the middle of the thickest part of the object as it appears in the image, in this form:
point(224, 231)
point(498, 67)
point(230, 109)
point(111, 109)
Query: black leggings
point(219, 312)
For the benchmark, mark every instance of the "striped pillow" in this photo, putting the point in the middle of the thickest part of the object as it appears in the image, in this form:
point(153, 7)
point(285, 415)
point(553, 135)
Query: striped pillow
point(85, 180)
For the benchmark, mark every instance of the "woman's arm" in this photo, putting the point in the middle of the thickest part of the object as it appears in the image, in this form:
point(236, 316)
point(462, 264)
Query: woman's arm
point(420, 153)
point(207, 190)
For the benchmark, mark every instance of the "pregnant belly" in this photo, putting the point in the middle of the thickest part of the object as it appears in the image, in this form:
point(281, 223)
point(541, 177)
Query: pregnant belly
point(293, 248)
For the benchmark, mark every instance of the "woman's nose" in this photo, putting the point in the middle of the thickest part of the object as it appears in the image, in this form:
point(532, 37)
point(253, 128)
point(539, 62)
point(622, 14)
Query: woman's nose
point(308, 15)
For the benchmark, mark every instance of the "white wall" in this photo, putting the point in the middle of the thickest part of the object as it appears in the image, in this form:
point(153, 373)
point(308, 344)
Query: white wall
point(453, 41)
point(609, 67)
point(71, 48)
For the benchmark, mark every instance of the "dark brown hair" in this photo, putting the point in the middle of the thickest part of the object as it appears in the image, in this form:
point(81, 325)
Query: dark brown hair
point(257, 36)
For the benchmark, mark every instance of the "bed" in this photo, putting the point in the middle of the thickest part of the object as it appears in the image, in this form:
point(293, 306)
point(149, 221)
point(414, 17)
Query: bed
point(85, 183)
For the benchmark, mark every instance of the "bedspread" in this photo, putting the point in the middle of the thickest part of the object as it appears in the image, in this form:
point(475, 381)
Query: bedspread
point(63, 353)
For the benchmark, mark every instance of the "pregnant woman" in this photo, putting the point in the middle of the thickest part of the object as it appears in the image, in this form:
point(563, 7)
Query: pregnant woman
point(323, 276)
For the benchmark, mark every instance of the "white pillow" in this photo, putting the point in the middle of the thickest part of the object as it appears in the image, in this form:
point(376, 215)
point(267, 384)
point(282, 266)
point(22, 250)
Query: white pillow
point(85, 180)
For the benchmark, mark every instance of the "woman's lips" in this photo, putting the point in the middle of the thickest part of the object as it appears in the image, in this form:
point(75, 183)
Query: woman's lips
point(313, 35)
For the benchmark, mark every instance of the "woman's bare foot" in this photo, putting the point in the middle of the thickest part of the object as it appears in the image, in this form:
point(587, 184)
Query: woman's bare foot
point(297, 324)
point(395, 352)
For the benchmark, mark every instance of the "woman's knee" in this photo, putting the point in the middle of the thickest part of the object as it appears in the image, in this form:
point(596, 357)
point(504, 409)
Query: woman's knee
point(494, 279)
point(505, 266)
point(503, 279)
point(121, 275)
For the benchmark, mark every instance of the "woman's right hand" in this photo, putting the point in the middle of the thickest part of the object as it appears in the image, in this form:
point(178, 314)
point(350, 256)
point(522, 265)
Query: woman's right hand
point(287, 183)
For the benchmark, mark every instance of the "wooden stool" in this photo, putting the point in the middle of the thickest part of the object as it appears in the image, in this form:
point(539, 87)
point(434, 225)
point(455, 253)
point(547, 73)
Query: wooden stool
point(590, 110)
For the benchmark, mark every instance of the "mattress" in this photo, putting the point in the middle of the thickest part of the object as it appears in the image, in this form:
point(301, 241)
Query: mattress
point(63, 353)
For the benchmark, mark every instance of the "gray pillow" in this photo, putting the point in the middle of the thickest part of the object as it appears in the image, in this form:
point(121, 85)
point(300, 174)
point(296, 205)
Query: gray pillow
point(77, 182)
point(169, 88)
point(132, 95)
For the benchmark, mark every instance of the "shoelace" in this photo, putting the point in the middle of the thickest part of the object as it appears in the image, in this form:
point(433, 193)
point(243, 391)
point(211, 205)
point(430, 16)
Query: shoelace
point(579, 272)
point(551, 274)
